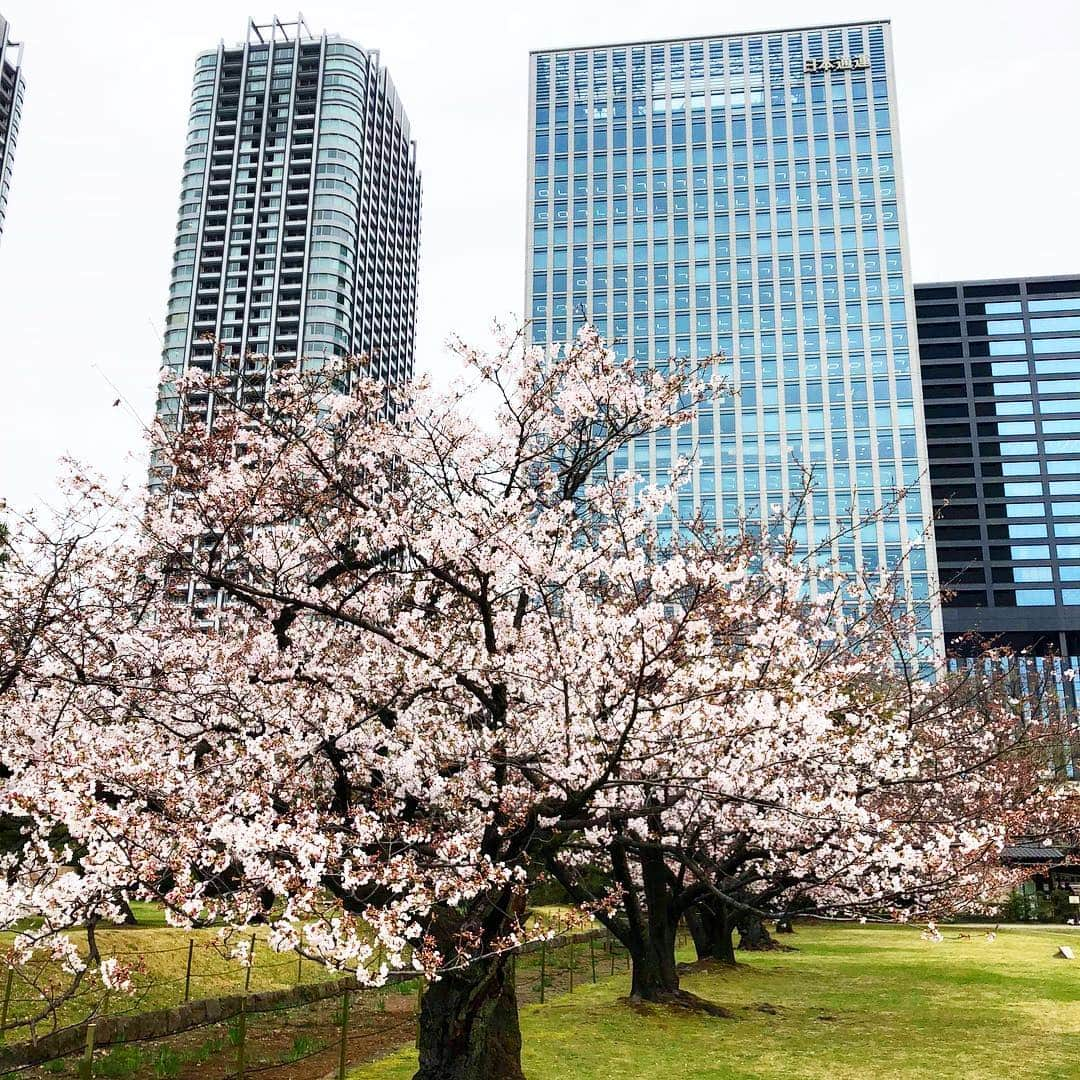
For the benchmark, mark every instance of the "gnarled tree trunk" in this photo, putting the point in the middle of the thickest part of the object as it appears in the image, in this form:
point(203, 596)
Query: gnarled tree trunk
point(699, 934)
point(711, 928)
point(753, 936)
point(127, 915)
point(654, 976)
point(469, 1024)
point(649, 928)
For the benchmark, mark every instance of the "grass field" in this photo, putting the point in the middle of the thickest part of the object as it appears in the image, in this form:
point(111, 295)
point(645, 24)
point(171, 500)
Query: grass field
point(161, 955)
point(863, 1003)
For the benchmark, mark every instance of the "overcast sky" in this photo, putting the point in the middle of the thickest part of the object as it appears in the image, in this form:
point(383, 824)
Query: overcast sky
point(987, 103)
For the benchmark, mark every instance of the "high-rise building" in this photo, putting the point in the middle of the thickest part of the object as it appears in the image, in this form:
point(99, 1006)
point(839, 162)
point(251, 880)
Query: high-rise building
point(1001, 378)
point(12, 88)
point(742, 194)
point(300, 210)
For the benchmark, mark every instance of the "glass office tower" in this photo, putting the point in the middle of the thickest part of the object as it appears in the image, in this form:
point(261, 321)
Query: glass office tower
point(12, 88)
point(1001, 378)
point(300, 211)
point(742, 194)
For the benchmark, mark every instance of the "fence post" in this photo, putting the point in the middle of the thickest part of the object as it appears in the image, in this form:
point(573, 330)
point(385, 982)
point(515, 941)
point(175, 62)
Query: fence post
point(86, 1068)
point(7, 1003)
point(342, 1062)
point(592, 956)
point(299, 966)
point(250, 965)
point(570, 965)
point(242, 1039)
point(187, 974)
point(419, 1007)
point(543, 967)
point(611, 950)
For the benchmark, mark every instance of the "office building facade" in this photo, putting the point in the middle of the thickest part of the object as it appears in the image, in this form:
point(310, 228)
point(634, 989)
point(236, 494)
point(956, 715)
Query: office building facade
point(12, 89)
point(1001, 381)
point(299, 221)
point(743, 195)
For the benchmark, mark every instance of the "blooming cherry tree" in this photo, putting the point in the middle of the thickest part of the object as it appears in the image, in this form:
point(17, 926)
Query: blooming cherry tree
point(365, 660)
point(338, 669)
point(817, 767)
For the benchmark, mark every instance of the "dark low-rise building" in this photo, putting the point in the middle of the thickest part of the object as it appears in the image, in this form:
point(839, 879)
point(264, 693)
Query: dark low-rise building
point(1000, 364)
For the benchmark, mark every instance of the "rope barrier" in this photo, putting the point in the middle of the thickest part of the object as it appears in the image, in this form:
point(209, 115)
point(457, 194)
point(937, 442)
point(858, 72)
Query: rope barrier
point(150, 952)
point(202, 1027)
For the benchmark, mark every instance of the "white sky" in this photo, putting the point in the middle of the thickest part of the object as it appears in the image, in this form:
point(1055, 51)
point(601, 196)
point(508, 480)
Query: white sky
point(987, 100)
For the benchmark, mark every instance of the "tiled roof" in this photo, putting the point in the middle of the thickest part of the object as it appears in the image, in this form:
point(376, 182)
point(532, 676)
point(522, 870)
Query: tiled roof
point(1032, 853)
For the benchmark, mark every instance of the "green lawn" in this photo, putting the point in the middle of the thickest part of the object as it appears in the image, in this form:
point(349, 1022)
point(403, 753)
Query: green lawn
point(160, 956)
point(850, 1004)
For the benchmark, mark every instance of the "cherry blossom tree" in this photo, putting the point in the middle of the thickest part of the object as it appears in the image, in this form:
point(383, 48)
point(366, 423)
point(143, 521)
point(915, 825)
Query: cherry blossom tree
point(353, 656)
point(821, 770)
point(368, 657)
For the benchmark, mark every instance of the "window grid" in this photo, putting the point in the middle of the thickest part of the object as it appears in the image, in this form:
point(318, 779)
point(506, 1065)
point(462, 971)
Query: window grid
point(1000, 377)
point(12, 92)
point(728, 201)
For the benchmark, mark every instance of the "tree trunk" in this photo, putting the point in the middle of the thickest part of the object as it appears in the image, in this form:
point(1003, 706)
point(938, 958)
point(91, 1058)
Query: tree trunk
point(127, 916)
point(655, 976)
point(752, 934)
point(712, 939)
point(469, 1024)
point(699, 934)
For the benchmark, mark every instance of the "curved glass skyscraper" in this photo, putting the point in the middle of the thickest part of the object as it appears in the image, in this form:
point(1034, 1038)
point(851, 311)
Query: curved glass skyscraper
point(300, 210)
point(12, 88)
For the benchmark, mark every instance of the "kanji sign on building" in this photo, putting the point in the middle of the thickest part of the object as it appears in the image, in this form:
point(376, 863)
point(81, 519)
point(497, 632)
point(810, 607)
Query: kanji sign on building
point(836, 63)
